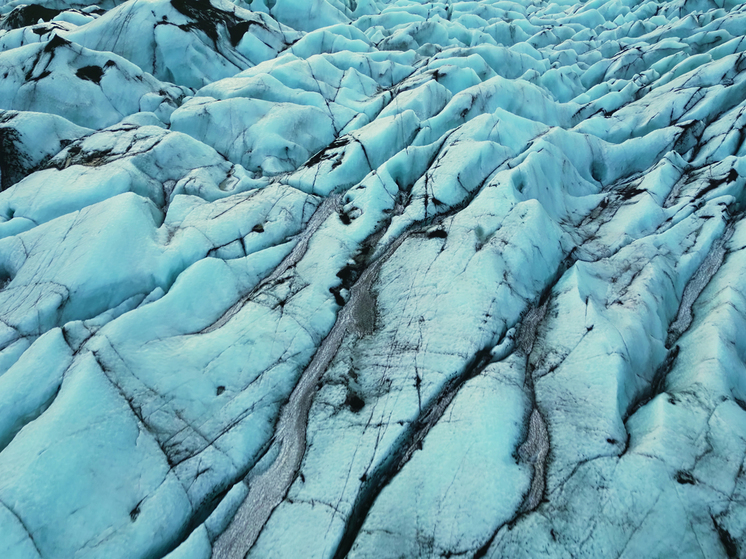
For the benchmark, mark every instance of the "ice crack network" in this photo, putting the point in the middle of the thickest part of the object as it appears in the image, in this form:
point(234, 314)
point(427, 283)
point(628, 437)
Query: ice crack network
point(372, 279)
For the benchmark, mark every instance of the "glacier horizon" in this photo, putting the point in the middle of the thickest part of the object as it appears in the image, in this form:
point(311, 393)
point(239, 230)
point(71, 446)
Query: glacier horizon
point(372, 279)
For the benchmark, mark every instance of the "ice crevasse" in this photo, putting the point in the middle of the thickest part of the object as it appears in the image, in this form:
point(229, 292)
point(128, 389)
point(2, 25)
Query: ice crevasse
point(372, 279)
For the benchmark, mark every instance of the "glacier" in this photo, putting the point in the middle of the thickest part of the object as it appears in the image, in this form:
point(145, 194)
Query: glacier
point(372, 279)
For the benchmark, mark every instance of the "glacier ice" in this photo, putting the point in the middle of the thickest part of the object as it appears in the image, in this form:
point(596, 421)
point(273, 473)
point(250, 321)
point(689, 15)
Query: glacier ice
point(372, 279)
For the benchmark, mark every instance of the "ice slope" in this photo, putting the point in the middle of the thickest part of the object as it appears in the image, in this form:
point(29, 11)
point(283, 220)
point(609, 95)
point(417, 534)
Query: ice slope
point(372, 279)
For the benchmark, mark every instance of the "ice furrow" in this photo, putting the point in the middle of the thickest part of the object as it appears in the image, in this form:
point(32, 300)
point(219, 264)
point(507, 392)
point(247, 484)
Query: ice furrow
point(301, 245)
point(288, 443)
point(409, 442)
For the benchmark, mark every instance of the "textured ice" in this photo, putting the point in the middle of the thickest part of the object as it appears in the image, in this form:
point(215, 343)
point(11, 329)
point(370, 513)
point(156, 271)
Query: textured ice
point(372, 279)
point(89, 88)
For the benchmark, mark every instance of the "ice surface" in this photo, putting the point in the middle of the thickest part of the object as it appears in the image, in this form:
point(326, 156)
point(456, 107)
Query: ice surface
point(372, 278)
point(86, 87)
point(183, 42)
point(29, 140)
